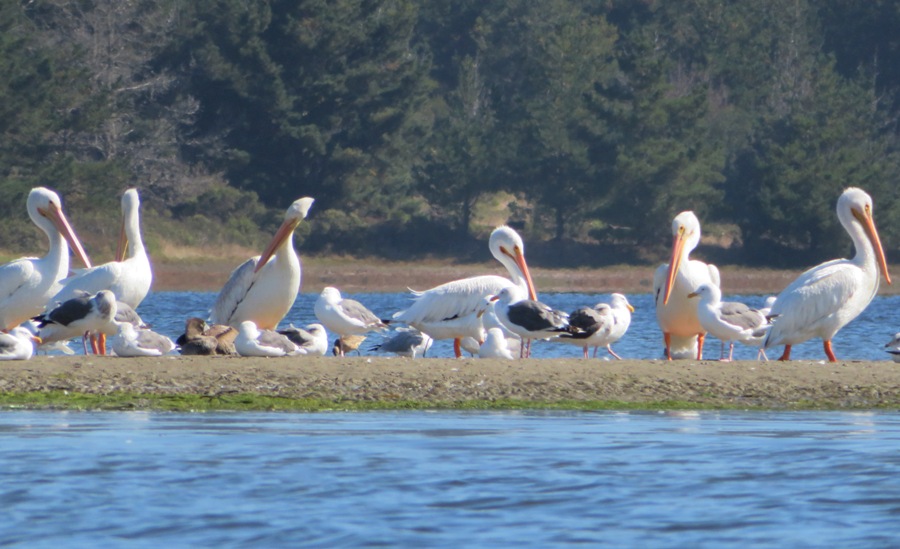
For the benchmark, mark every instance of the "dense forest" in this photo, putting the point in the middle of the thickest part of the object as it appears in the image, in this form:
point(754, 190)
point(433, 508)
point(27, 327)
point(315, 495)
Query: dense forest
point(417, 124)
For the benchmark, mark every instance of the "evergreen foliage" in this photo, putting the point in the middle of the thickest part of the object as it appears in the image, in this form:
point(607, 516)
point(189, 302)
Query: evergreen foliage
point(403, 118)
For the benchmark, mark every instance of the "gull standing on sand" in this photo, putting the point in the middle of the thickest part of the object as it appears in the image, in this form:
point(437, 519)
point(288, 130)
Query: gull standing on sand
point(729, 320)
point(130, 342)
point(345, 316)
point(407, 342)
point(264, 287)
point(600, 325)
point(310, 341)
point(825, 298)
point(78, 317)
point(495, 345)
point(27, 283)
point(452, 310)
point(251, 341)
point(527, 318)
point(672, 282)
point(18, 344)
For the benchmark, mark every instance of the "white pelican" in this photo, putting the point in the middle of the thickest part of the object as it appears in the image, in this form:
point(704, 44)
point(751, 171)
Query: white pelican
point(345, 316)
point(728, 320)
point(311, 340)
point(407, 342)
point(600, 325)
point(495, 345)
point(677, 316)
point(79, 316)
point(264, 288)
point(451, 310)
point(251, 341)
point(18, 344)
point(26, 284)
point(130, 342)
point(129, 276)
point(527, 318)
point(825, 298)
point(893, 347)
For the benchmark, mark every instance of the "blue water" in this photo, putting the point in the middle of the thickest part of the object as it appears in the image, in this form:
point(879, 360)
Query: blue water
point(862, 339)
point(450, 479)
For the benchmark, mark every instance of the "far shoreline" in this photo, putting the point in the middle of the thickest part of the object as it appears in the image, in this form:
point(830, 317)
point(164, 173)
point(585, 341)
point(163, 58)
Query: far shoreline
point(352, 275)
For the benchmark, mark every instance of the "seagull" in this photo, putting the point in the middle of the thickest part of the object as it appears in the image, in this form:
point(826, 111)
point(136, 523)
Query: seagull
point(129, 276)
point(251, 341)
point(527, 318)
point(494, 345)
point(406, 342)
point(452, 310)
point(672, 283)
point(199, 338)
point(311, 340)
point(825, 298)
point(78, 317)
point(728, 320)
point(600, 325)
point(27, 283)
point(345, 316)
point(129, 342)
point(18, 344)
point(264, 288)
point(893, 347)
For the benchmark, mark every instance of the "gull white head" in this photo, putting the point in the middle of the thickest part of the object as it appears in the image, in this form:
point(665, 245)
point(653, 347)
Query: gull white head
point(507, 247)
point(854, 210)
point(708, 293)
point(330, 295)
point(248, 329)
point(619, 301)
point(685, 237)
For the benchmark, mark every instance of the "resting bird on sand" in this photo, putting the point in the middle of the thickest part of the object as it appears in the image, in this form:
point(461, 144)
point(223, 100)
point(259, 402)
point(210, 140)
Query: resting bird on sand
point(728, 320)
point(251, 341)
point(495, 345)
point(18, 344)
point(672, 282)
point(130, 342)
point(453, 310)
point(345, 316)
point(600, 325)
point(893, 347)
point(28, 283)
point(310, 341)
point(80, 316)
point(199, 338)
point(407, 342)
point(527, 318)
point(825, 298)
point(264, 288)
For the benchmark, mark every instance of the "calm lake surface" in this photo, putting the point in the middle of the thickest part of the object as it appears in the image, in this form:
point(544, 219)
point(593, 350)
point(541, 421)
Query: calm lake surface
point(862, 339)
point(450, 479)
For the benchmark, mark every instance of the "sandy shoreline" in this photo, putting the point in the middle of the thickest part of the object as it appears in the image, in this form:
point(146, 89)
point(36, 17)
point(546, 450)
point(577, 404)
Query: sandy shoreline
point(449, 382)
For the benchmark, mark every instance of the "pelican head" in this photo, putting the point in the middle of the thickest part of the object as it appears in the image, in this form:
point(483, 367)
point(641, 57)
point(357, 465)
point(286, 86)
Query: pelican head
point(293, 216)
point(685, 237)
point(506, 245)
point(131, 204)
point(854, 209)
point(45, 210)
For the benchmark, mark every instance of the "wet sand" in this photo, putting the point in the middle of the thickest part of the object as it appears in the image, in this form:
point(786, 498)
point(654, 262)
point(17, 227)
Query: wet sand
point(449, 382)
